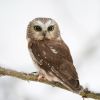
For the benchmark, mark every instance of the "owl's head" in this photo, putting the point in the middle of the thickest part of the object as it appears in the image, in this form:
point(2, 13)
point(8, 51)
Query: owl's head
point(43, 28)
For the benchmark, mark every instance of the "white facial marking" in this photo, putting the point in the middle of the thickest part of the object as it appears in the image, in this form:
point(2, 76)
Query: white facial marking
point(42, 25)
point(45, 26)
point(48, 23)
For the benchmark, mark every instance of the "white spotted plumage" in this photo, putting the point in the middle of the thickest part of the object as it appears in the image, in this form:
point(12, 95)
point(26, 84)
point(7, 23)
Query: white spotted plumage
point(53, 50)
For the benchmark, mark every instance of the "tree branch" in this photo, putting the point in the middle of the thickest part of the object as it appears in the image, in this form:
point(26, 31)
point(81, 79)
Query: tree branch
point(32, 77)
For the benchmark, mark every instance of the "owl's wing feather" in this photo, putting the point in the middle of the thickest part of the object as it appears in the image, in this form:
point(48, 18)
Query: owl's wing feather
point(67, 75)
point(57, 59)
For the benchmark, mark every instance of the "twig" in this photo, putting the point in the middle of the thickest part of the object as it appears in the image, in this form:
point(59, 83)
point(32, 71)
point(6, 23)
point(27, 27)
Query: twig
point(32, 77)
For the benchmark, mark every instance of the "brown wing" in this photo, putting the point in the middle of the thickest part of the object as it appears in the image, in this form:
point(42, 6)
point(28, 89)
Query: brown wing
point(60, 63)
point(62, 49)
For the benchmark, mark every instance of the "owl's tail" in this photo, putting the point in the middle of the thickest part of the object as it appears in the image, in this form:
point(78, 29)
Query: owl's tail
point(73, 85)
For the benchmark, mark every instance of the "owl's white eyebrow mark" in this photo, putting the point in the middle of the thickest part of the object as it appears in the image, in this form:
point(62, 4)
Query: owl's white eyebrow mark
point(48, 23)
point(45, 25)
point(40, 23)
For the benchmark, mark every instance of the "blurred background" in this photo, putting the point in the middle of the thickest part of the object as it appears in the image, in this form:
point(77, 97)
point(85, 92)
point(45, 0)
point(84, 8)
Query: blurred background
point(79, 22)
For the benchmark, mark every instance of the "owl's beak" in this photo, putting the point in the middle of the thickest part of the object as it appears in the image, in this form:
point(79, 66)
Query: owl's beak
point(44, 33)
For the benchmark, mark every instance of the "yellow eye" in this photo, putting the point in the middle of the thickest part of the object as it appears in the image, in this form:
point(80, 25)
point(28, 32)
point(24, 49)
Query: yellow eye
point(51, 28)
point(37, 28)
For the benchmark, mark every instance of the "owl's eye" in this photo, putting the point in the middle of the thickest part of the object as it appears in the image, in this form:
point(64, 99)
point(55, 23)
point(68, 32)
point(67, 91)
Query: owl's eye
point(37, 28)
point(51, 28)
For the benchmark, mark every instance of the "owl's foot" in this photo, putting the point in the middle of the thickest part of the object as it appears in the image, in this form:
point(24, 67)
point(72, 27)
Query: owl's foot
point(41, 77)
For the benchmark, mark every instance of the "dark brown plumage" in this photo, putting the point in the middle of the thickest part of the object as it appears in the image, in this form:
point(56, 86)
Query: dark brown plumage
point(52, 56)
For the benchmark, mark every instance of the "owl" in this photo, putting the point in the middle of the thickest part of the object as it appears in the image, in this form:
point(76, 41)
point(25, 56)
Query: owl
point(50, 53)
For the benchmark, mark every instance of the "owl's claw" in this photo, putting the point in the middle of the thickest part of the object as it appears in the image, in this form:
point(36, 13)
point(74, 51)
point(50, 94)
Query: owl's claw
point(40, 76)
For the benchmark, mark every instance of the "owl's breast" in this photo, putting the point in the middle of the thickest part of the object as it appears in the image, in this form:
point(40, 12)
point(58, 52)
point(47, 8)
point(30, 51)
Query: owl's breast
point(44, 55)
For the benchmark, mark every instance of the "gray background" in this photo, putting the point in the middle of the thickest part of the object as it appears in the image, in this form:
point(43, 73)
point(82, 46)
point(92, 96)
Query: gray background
point(79, 22)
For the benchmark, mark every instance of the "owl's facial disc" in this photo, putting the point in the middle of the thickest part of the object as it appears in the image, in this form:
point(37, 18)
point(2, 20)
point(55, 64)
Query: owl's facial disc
point(43, 29)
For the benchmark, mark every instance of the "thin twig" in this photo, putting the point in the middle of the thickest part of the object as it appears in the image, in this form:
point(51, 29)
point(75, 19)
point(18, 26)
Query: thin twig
point(33, 77)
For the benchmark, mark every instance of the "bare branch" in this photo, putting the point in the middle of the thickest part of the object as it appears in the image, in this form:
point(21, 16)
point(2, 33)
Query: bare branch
point(32, 77)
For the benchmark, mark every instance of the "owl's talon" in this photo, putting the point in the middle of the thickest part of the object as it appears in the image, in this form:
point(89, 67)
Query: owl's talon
point(41, 77)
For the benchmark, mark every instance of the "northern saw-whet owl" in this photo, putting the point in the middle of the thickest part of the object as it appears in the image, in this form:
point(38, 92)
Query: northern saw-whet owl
point(50, 53)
